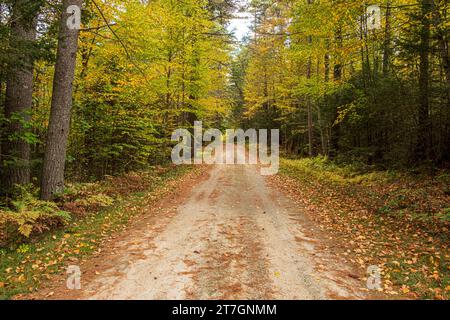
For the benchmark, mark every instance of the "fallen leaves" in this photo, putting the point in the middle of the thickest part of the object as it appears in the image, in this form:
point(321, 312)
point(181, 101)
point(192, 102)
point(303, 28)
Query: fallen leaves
point(25, 270)
point(385, 222)
point(405, 289)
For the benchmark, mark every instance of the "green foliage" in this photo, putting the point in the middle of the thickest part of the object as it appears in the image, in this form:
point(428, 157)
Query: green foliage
point(166, 71)
point(99, 200)
point(23, 248)
point(396, 194)
point(445, 216)
point(363, 86)
point(161, 65)
point(324, 168)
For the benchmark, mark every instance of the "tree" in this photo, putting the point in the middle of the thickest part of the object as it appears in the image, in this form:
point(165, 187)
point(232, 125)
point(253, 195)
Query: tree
point(19, 95)
point(405, 58)
point(424, 140)
point(59, 125)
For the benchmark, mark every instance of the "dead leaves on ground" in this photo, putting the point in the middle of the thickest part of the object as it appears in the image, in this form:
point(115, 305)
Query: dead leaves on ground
point(24, 272)
point(378, 224)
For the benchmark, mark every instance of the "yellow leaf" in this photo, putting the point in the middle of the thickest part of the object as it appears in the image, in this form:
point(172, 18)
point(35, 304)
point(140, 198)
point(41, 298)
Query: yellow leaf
point(21, 278)
point(25, 230)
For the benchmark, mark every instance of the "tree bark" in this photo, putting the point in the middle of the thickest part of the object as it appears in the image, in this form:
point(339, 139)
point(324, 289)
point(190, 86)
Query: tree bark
point(19, 96)
point(335, 131)
point(309, 102)
point(442, 37)
point(424, 124)
point(387, 41)
point(323, 130)
point(440, 17)
point(59, 125)
point(338, 66)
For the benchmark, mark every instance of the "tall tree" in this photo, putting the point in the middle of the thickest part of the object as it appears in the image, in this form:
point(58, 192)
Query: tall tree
point(309, 102)
point(19, 95)
point(59, 125)
point(387, 39)
point(424, 140)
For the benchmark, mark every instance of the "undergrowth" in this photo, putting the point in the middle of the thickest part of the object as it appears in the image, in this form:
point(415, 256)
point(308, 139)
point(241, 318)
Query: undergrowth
point(396, 219)
point(96, 211)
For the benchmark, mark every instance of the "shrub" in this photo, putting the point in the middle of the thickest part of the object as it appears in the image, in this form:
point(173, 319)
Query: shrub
point(29, 215)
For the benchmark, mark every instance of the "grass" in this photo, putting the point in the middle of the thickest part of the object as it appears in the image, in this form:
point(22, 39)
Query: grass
point(24, 267)
point(397, 220)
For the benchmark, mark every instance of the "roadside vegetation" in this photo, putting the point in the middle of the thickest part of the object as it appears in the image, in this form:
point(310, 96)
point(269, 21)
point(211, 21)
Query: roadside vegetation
point(339, 79)
point(397, 220)
point(74, 227)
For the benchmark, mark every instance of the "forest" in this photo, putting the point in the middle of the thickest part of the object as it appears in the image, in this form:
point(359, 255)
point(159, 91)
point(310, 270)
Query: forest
point(314, 70)
point(354, 88)
point(338, 87)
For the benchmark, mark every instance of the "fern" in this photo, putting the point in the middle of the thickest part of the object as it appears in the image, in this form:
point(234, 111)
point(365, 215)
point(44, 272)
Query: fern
point(28, 211)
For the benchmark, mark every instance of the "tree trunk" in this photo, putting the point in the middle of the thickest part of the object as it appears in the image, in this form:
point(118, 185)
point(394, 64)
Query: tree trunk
point(424, 134)
point(19, 97)
point(323, 128)
point(442, 37)
point(335, 130)
point(59, 126)
point(338, 66)
point(387, 41)
point(440, 14)
point(327, 67)
point(310, 116)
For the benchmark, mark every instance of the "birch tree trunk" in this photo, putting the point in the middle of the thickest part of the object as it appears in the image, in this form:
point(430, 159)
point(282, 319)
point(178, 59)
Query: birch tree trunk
point(59, 125)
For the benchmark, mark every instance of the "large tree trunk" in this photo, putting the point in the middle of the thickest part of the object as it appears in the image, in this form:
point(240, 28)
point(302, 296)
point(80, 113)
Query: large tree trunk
point(440, 18)
point(59, 126)
point(19, 96)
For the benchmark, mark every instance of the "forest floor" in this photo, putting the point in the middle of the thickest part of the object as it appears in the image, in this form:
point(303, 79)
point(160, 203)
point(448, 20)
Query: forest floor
point(226, 232)
point(396, 220)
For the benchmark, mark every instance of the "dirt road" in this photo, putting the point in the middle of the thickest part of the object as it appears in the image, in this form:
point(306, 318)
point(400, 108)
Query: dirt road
point(232, 236)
